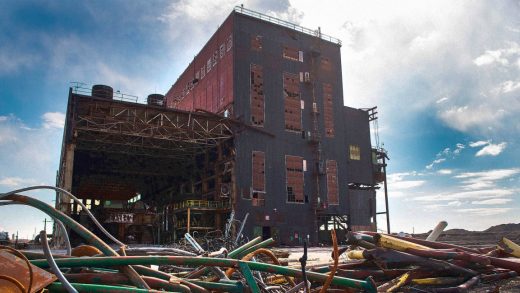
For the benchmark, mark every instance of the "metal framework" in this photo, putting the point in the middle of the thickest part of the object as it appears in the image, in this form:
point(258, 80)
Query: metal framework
point(137, 129)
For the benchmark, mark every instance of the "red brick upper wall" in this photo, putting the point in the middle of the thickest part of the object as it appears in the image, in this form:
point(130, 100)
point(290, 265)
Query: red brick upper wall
point(213, 68)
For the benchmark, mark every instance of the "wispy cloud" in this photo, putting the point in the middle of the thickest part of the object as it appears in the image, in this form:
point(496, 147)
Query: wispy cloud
point(467, 195)
point(479, 143)
point(53, 120)
point(13, 182)
point(445, 154)
point(441, 100)
point(485, 179)
point(485, 211)
point(493, 201)
point(401, 183)
point(492, 150)
point(32, 153)
point(445, 171)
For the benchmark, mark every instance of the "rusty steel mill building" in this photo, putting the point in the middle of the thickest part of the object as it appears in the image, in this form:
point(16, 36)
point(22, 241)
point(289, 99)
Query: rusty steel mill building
point(255, 126)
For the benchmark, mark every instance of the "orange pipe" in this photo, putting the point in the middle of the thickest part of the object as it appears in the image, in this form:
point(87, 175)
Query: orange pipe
point(335, 267)
point(267, 252)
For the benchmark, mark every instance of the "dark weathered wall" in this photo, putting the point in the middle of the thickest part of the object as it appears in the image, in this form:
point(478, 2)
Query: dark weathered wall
point(358, 133)
point(290, 219)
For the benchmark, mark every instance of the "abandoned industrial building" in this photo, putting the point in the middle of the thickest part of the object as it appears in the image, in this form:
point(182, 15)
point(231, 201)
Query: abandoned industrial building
point(254, 128)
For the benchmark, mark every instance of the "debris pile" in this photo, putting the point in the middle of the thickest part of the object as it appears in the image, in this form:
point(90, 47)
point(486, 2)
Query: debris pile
point(414, 265)
point(376, 263)
point(99, 267)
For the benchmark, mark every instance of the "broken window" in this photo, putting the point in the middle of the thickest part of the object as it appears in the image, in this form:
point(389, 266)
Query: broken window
point(222, 50)
point(291, 53)
point(355, 152)
point(257, 95)
point(258, 199)
point(291, 92)
point(328, 109)
point(208, 65)
point(229, 43)
point(202, 71)
point(294, 179)
point(256, 43)
point(258, 171)
point(325, 64)
point(332, 182)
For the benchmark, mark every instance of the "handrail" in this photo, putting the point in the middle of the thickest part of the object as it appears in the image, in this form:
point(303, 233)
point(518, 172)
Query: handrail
point(271, 19)
point(85, 89)
point(195, 203)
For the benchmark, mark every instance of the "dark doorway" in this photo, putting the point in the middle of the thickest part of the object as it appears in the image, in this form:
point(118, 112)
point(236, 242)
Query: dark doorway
point(266, 232)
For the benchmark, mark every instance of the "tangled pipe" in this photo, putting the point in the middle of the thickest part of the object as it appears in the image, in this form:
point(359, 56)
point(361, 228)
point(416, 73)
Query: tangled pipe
point(20, 255)
point(60, 224)
point(52, 263)
point(78, 228)
point(75, 199)
point(267, 252)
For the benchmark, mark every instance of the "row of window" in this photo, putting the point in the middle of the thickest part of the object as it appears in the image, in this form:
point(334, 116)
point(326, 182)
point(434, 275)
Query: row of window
point(295, 166)
point(293, 103)
point(289, 53)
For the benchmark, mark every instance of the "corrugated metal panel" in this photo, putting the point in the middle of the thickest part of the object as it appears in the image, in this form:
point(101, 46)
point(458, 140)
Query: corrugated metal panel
point(328, 108)
point(291, 92)
point(294, 178)
point(332, 182)
point(257, 95)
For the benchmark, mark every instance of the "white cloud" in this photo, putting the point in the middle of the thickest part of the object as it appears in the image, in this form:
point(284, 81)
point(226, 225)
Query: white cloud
point(29, 152)
point(485, 179)
point(507, 87)
point(492, 201)
point(13, 182)
point(435, 162)
point(464, 118)
point(53, 120)
point(491, 150)
point(441, 100)
point(467, 195)
point(500, 56)
point(445, 171)
point(479, 143)
point(485, 211)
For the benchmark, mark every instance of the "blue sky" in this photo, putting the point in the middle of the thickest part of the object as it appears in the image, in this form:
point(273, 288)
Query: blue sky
point(445, 76)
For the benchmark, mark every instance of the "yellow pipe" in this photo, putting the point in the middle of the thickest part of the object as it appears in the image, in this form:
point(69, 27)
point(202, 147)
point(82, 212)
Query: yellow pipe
point(438, 281)
point(355, 254)
point(509, 247)
point(387, 241)
point(401, 281)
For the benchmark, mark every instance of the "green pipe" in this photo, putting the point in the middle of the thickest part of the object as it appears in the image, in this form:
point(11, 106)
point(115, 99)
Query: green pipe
point(262, 244)
point(206, 261)
point(222, 285)
point(146, 271)
point(78, 228)
point(233, 254)
point(247, 245)
point(66, 220)
point(248, 275)
point(93, 288)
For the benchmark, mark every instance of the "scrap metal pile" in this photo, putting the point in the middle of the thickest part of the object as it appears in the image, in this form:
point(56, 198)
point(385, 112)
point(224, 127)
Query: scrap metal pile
point(377, 262)
point(98, 267)
point(403, 264)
